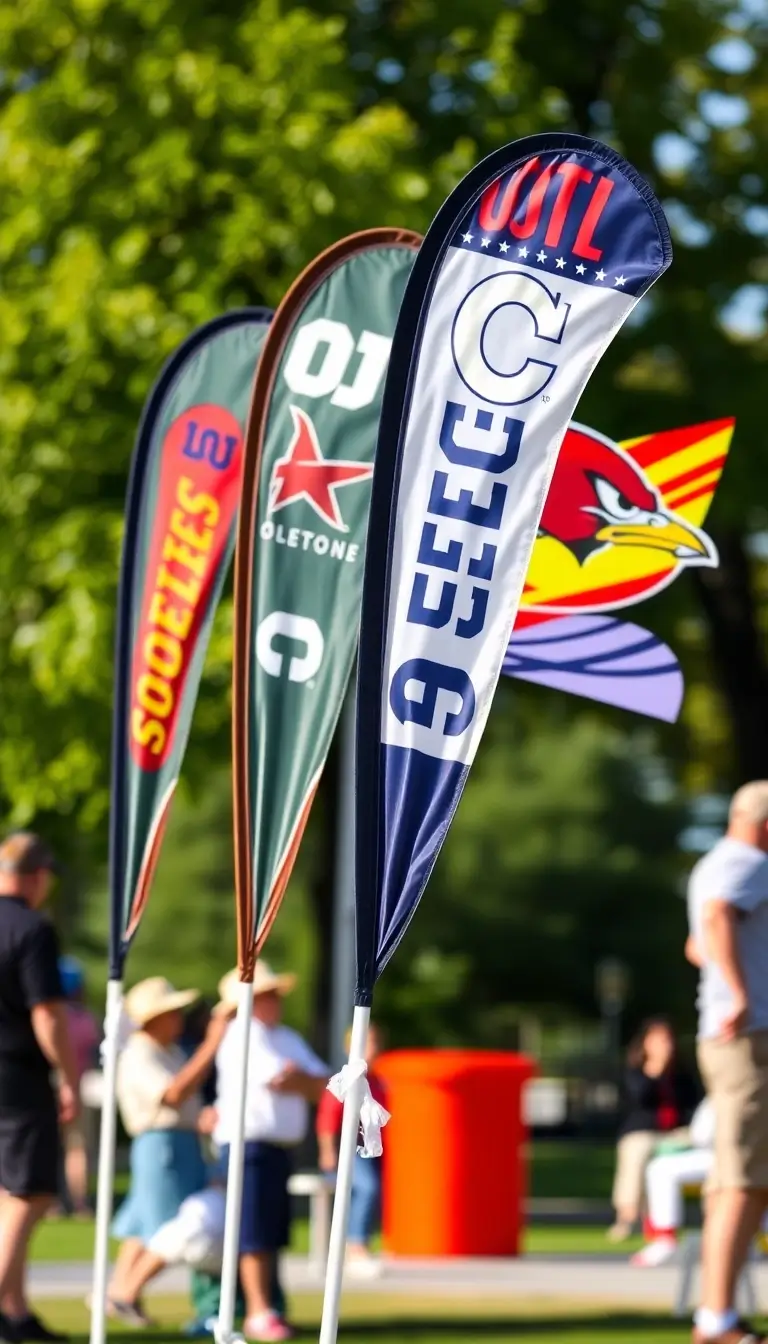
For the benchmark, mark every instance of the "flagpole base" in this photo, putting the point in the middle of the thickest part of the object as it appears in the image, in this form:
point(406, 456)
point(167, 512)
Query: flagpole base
point(224, 1329)
point(106, 1170)
point(329, 1324)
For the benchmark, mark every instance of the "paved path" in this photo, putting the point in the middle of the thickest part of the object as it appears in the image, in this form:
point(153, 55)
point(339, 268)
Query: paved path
point(598, 1279)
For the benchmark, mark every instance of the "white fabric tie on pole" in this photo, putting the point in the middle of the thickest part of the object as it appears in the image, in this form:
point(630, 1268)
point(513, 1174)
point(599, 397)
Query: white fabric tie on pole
point(113, 1025)
point(373, 1116)
point(354, 1086)
point(224, 1330)
point(118, 1027)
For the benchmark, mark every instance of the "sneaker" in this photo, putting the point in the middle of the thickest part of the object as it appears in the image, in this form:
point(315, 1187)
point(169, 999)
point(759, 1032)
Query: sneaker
point(363, 1267)
point(17, 1330)
point(655, 1253)
point(129, 1313)
point(199, 1328)
point(268, 1328)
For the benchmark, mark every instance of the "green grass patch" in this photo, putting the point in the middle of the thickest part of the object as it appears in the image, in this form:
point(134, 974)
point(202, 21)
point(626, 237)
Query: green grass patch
point(567, 1239)
point(387, 1320)
point(67, 1239)
point(571, 1169)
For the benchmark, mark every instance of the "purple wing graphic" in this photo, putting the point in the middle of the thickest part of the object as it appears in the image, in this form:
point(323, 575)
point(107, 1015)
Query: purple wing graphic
point(615, 662)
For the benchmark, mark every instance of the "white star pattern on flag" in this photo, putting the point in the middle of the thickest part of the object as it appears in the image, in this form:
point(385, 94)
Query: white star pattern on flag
point(503, 247)
point(599, 275)
point(541, 256)
point(485, 242)
point(560, 263)
point(580, 269)
point(620, 280)
point(468, 237)
point(522, 251)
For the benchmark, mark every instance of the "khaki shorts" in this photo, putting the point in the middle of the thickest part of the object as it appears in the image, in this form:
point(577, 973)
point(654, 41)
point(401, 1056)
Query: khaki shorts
point(735, 1075)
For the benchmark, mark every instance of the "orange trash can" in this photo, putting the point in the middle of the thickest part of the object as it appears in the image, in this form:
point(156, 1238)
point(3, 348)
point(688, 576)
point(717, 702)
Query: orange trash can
point(454, 1152)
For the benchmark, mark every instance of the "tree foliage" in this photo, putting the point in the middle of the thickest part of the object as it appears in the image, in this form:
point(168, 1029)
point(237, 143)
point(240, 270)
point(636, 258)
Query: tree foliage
point(163, 160)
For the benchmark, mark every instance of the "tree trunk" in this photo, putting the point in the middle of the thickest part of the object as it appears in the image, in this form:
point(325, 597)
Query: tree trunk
point(728, 601)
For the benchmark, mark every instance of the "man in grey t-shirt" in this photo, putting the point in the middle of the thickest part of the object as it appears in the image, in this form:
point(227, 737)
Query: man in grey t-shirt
point(728, 916)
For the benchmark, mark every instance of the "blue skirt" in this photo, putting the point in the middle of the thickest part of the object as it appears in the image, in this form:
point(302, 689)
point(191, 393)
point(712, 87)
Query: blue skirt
point(166, 1167)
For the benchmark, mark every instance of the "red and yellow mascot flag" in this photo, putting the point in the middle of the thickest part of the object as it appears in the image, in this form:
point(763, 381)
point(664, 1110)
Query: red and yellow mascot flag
point(621, 521)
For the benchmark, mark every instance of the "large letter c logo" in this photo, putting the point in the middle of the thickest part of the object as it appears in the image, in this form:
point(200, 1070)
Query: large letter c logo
point(497, 335)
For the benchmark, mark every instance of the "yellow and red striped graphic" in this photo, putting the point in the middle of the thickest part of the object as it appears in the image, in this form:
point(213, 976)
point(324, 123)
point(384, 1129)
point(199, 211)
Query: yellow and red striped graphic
point(623, 520)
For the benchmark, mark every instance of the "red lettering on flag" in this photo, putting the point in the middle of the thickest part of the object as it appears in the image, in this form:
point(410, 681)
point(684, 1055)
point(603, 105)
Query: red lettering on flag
point(495, 212)
point(583, 245)
point(571, 175)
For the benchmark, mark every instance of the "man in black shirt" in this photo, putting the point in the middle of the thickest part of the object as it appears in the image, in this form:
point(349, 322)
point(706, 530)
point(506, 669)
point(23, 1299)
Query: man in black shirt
point(34, 1041)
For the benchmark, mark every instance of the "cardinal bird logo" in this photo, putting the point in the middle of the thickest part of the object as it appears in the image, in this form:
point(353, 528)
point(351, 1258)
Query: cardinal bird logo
point(305, 474)
point(621, 521)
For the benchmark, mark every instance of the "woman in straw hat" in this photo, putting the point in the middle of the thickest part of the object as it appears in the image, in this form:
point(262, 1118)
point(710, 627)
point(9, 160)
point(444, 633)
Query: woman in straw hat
point(158, 1096)
point(284, 1077)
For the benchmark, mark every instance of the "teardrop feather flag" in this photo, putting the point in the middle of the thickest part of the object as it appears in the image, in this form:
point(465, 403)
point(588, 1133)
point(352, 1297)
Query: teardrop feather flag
point(621, 522)
point(525, 276)
point(300, 550)
point(183, 496)
point(181, 508)
point(298, 584)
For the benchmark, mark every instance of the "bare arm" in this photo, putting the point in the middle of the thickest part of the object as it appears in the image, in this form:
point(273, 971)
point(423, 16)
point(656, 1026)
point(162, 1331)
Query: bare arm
point(298, 1083)
point(196, 1069)
point(693, 952)
point(327, 1152)
point(720, 920)
point(49, 1023)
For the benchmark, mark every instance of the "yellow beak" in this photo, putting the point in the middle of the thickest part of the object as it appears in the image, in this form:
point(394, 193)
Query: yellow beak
point(662, 534)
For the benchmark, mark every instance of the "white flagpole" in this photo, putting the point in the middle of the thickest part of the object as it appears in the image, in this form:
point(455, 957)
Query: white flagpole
point(329, 1326)
point(225, 1326)
point(106, 1178)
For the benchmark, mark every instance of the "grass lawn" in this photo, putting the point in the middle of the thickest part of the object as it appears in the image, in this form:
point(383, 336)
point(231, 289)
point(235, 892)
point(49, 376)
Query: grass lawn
point(571, 1169)
point(64, 1239)
point(387, 1320)
point(559, 1170)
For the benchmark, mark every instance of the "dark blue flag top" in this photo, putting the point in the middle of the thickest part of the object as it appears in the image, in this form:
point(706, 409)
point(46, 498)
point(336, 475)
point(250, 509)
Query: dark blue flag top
point(527, 273)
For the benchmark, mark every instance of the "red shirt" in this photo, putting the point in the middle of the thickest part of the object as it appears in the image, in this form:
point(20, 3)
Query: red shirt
point(668, 1114)
point(330, 1111)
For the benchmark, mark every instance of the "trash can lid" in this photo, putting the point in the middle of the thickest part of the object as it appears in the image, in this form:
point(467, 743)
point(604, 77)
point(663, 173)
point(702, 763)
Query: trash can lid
point(445, 1065)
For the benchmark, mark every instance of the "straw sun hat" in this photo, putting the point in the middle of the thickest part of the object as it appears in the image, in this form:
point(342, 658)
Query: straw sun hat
point(265, 981)
point(151, 998)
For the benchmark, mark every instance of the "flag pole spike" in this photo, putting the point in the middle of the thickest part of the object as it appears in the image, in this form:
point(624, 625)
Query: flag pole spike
point(224, 1331)
point(106, 1175)
point(329, 1326)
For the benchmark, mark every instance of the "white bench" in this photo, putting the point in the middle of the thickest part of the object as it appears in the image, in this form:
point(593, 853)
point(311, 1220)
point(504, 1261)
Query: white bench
point(319, 1189)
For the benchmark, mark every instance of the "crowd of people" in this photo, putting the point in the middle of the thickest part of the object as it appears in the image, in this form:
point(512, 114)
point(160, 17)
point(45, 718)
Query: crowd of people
point(672, 1138)
point(177, 1094)
point(177, 1097)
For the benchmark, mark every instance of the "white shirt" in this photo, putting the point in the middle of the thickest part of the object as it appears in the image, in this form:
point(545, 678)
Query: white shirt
point(272, 1117)
point(735, 872)
point(144, 1073)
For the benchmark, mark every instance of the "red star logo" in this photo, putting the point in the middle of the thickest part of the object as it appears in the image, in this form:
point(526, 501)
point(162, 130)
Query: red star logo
point(305, 474)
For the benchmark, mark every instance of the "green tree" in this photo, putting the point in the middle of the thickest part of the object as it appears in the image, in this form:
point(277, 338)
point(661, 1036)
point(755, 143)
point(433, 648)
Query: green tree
point(161, 161)
point(561, 854)
point(159, 164)
point(678, 87)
